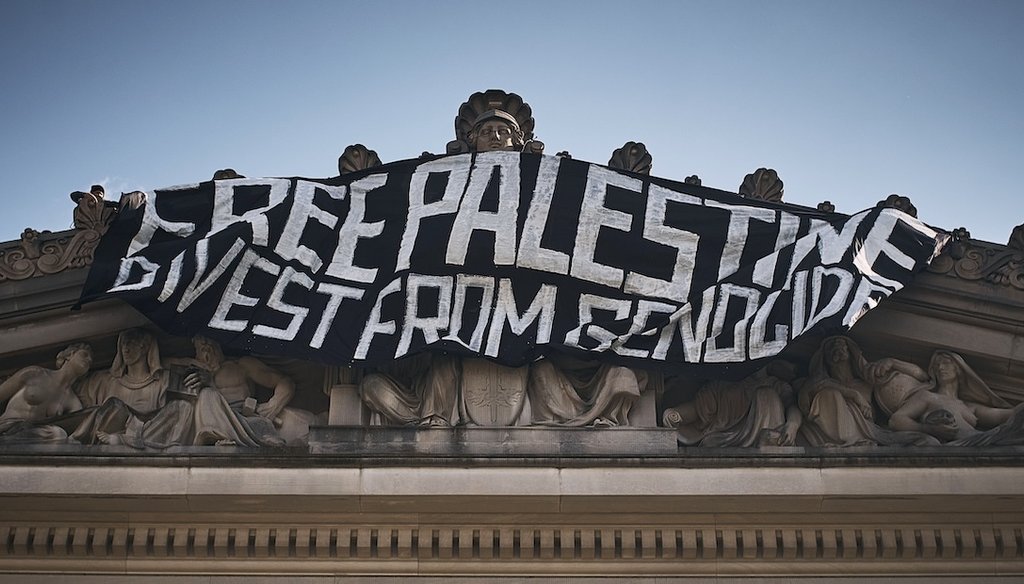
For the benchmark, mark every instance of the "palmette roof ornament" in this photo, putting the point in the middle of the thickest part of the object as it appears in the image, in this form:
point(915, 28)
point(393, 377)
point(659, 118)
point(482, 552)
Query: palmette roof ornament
point(900, 202)
point(763, 184)
point(634, 157)
point(357, 157)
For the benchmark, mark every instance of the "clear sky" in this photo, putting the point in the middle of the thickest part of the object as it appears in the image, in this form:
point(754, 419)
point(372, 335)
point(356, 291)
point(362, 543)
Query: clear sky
point(849, 100)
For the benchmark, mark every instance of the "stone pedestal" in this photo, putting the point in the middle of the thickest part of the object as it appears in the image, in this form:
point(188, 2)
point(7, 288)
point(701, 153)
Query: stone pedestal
point(346, 408)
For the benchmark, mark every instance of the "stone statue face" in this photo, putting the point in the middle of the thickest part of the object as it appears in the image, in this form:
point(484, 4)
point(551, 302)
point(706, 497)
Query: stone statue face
point(133, 348)
point(208, 352)
point(79, 355)
point(81, 359)
point(838, 352)
point(494, 134)
point(945, 368)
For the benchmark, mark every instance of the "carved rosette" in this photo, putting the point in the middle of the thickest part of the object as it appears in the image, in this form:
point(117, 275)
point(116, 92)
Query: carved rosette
point(481, 102)
point(763, 184)
point(357, 157)
point(633, 156)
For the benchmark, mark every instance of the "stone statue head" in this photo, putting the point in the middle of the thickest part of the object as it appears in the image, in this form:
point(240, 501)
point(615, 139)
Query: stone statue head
point(134, 345)
point(208, 351)
point(496, 130)
point(835, 354)
point(80, 352)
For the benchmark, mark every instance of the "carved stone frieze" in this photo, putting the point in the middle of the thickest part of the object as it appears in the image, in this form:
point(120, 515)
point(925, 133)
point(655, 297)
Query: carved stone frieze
point(357, 157)
point(763, 184)
point(632, 156)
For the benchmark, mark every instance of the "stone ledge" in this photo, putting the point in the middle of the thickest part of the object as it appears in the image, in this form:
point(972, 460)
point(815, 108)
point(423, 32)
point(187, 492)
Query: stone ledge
point(513, 441)
point(428, 452)
point(457, 481)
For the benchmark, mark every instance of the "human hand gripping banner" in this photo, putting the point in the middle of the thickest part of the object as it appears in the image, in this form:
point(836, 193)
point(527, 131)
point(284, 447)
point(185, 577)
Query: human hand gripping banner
point(502, 255)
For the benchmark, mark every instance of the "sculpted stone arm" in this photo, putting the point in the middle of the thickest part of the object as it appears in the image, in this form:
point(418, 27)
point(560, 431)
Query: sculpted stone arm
point(906, 419)
point(794, 418)
point(262, 374)
point(989, 417)
point(883, 368)
point(12, 384)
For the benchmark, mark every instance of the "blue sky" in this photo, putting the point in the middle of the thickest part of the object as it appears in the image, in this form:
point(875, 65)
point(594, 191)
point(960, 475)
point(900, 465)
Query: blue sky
point(849, 101)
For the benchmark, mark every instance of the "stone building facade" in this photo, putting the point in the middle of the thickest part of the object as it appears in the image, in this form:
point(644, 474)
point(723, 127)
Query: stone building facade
point(362, 499)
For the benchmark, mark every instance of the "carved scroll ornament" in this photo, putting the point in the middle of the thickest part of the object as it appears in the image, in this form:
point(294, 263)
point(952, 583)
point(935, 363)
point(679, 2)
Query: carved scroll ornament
point(43, 253)
point(982, 261)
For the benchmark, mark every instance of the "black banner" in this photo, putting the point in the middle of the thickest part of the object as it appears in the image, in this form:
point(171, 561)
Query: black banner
point(503, 255)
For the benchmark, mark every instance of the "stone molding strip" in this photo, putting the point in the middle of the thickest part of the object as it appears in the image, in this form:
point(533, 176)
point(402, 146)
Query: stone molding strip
point(988, 489)
point(607, 549)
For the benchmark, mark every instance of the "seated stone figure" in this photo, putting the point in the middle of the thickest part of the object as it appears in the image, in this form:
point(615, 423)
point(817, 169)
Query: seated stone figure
point(567, 391)
point(949, 402)
point(131, 404)
point(35, 396)
point(236, 380)
point(418, 390)
point(757, 411)
point(430, 390)
point(836, 400)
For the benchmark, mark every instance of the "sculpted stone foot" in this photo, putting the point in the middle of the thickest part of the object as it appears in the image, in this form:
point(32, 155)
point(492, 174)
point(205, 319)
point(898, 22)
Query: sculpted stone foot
point(110, 439)
point(435, 422)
